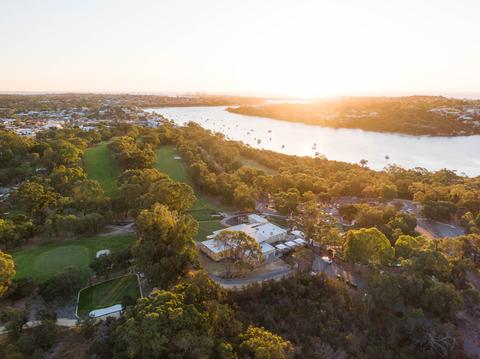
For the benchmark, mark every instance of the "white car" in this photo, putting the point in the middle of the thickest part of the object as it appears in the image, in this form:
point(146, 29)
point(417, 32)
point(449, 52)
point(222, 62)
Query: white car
point(327, 260)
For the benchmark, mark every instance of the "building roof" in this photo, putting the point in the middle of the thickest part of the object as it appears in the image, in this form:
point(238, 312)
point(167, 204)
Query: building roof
point(281, 247)
point(300, 241)
point(218, 247)
point(298, 233)
point(214, 246)
point(259, 231)
point(255, 218)
point(291, 244)
point(267, 248)
point(105, 311)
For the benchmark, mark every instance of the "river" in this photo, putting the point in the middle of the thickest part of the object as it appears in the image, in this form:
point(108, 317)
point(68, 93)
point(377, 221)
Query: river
point(461, 153)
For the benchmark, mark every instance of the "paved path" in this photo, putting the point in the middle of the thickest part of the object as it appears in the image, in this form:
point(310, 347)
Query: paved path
point(239, 283)
point(61, 322)
point(114, 230)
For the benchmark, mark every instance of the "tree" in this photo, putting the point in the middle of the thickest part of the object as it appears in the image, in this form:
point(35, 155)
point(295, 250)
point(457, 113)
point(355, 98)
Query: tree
point(438, 210)
point(7, 272)
point(244, 197)
point(163, 326)
point(389, 191)
point(36, 199)
point(258, 343)
point(8, 235)
point(309, 218)
point(63, 178)
point(15, 319)
point(102, 265)
point(303, 258)
point(164, 250)
point(348, 211)
point(64, 285)
point(88, 196)
point(368, 246)
point(242, 251)
point(176, 196)
point(45, 334)
point(315, 221)
point(197, 288)
point(61, 152)
point(431, 338)
point(442, 299)
point(133, 184)
point(363, 162)
point(405, 246)
point(142, 188)
point(431, 263)
point(128, 152)
point(287, 202)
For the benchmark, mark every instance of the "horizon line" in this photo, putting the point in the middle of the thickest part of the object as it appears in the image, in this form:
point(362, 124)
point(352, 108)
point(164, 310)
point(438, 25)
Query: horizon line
point(448, 94)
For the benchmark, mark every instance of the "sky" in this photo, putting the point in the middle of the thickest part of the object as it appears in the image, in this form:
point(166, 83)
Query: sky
point(286, 48)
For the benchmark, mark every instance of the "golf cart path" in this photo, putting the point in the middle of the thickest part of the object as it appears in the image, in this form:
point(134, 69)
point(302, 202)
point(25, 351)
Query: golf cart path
point(240, 283)
point(61, 322)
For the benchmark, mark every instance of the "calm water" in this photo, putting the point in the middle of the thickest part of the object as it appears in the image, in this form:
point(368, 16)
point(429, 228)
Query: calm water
point(380, 149)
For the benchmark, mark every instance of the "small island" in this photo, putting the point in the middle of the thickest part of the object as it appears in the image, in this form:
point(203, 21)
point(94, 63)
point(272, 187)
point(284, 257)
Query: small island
point(412, 115)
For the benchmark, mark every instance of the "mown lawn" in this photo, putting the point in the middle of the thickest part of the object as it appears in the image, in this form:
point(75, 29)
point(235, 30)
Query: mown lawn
point(100, 166)
point(45, 260)
point(204, 206)
point(247, 162)
point(165, 162)
point(108, 293)
point(205, 228)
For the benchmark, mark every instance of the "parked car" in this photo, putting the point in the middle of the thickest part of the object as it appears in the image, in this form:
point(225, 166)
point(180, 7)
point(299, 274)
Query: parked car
point(327, 260)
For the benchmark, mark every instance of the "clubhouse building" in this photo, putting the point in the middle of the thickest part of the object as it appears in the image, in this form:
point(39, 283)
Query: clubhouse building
point(268, 236)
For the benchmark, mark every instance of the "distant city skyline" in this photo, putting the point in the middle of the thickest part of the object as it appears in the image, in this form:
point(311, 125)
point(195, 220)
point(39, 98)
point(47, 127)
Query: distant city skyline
point(266, 48)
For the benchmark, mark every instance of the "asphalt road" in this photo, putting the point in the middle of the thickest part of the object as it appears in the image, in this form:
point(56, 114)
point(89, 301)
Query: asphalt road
point(337, 267)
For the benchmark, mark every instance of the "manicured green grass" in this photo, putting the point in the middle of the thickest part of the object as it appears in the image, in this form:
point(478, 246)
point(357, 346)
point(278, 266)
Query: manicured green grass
point(176, 169)
point(44, 261)
point(205, 228)
point(108, 293)
point(205, 205)
point(247, 162)
point(100, 166)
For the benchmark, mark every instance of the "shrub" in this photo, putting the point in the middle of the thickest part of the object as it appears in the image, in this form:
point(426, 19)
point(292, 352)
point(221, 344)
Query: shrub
point(64, 285)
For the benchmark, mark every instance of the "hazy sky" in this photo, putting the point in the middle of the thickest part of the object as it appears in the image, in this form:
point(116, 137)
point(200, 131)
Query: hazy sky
point(303, 48)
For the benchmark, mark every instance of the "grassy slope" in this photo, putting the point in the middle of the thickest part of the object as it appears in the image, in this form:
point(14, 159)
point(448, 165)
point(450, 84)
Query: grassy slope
point(43, 261)
point(177, 170)
point(100, 166)
point(107, 294)
point(247, 162)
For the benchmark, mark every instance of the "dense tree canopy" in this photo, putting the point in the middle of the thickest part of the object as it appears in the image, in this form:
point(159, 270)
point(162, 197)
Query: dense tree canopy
point(259, 343)
point(368, 246)
point(163, 326)
point(7, 271)
point(164, 250)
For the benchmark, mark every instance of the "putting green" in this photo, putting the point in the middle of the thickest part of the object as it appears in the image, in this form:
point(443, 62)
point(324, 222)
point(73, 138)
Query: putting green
point(44, 261)
point(52, 261)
